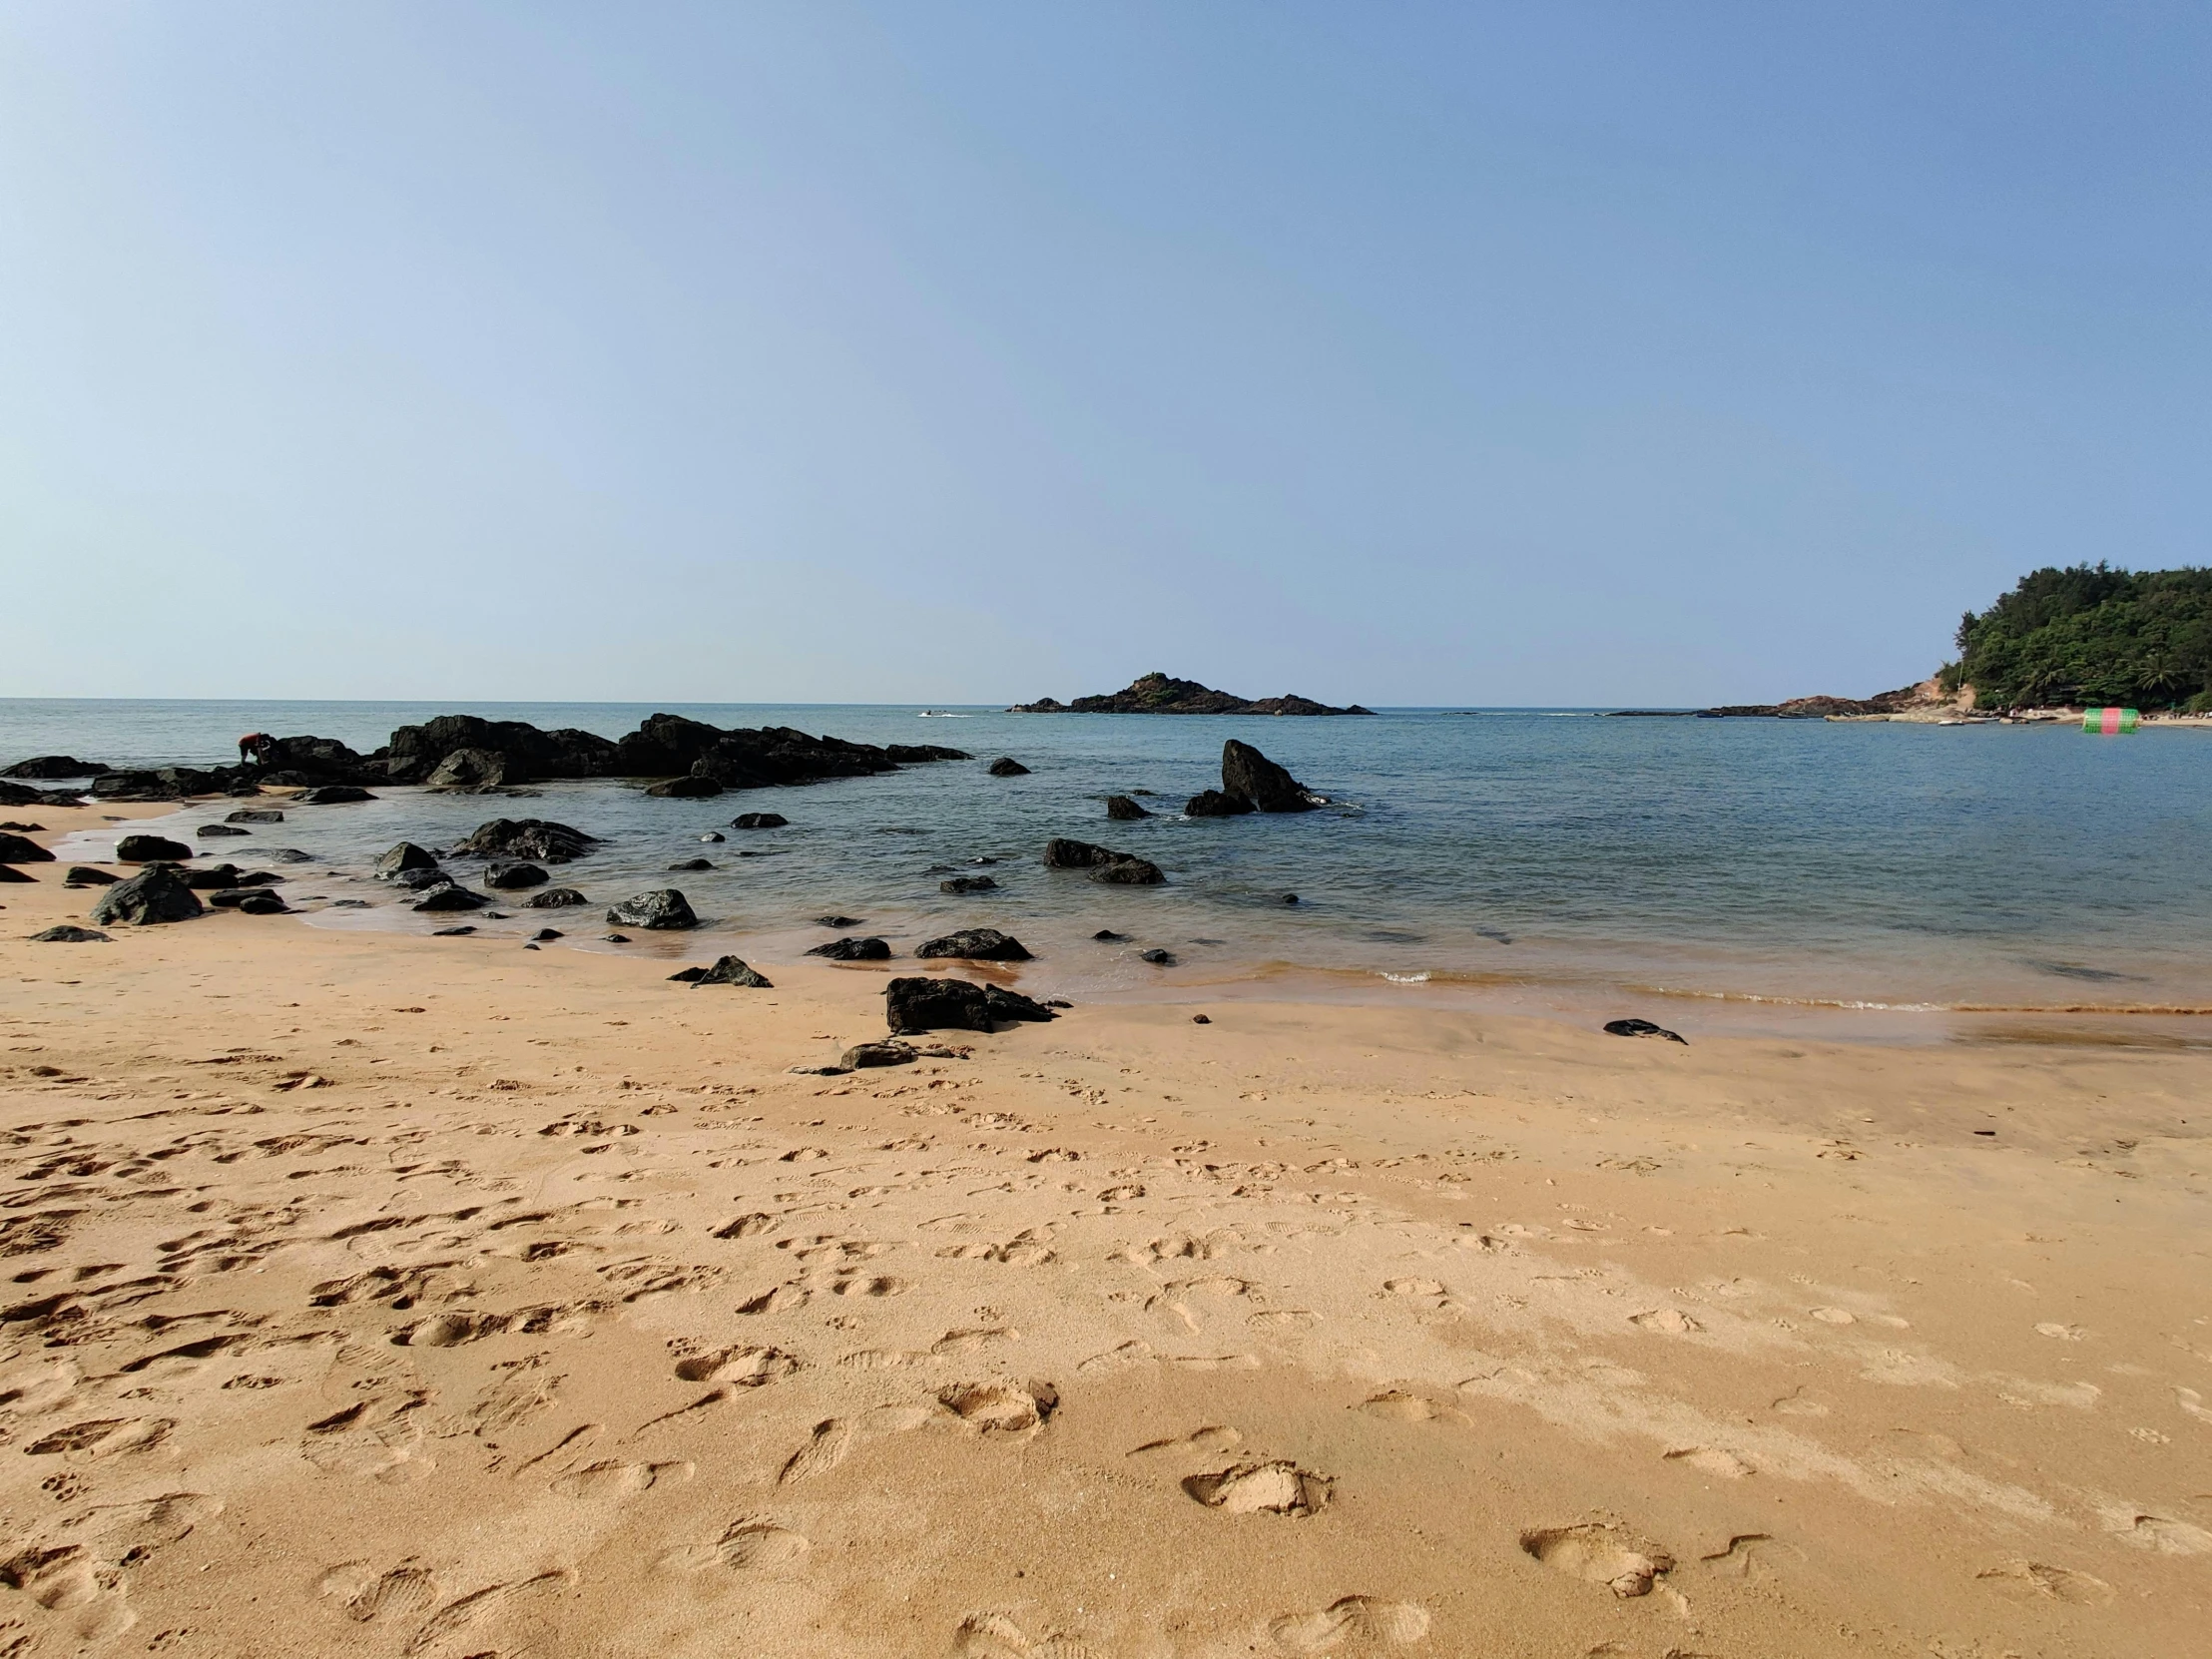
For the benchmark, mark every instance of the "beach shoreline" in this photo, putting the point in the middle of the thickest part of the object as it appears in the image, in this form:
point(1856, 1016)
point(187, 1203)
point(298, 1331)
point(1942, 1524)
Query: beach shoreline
point(430, 1295)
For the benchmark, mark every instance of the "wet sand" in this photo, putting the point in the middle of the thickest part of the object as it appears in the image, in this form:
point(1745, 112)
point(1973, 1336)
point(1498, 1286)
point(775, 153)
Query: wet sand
point(387, 1294)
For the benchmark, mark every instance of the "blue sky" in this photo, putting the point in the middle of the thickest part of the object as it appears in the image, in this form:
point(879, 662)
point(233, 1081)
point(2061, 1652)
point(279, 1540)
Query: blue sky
point(1573, 353)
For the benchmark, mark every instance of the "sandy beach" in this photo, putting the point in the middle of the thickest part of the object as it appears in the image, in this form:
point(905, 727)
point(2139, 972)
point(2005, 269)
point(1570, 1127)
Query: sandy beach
point(386, 1295)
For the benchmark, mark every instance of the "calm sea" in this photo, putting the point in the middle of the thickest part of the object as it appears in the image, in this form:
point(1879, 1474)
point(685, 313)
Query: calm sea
point(1699, 871)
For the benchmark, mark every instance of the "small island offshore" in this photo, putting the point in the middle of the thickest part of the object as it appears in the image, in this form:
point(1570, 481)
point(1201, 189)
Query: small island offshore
point(1159, 694)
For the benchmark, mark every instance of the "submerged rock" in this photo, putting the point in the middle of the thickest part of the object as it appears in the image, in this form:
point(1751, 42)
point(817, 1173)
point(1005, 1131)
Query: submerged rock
point(537, 839)
point(449, 895)
point(554, 898)
point(980, 945)
point(929, 1004)
point(1122, 810)
point(214, 832)
point(157, 894)
point(853, 950)
point(1123, 870)
point(663, 908)
point(146, 849)
point(693, 864)
point(332, 794)
point(968, 883)
point(1007, 767)
point(759, 820)
point(836, 921)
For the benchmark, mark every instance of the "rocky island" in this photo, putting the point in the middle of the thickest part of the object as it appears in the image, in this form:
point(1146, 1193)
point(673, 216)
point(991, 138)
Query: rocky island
point(1161, 694)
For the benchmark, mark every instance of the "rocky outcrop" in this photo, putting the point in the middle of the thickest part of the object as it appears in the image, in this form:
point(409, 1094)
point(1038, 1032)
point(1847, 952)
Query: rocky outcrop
point(84, 876)
point(155, 894)
point(1925, 701)
point(147, 849)
point(915, 1005)
point(332, 794)
point(1007, 767)
point(518, 752)
point(537, 839)
point(666, 746)
point(980, 945)
point(1250, 776)
point(53, 767)
point(1122, 809)
point(661, 909)
point(21, 849)
point(685, 789)
point(853, 950)
point(1159, 694)
point(469, 769)
point(1121, 869)
point(22, 795)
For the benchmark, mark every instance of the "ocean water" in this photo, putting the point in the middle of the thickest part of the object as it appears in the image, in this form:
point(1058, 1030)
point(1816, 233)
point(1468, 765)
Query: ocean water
point(1697, 871)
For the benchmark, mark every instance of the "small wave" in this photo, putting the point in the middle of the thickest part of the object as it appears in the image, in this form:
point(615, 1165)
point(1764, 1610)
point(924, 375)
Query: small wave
point(1408, 978)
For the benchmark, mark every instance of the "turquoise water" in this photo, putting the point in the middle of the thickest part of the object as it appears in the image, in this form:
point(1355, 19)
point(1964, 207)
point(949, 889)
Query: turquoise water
point(1538, 858)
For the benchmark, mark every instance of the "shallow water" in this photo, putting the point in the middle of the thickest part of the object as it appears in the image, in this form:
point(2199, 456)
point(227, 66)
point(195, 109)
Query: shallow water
point(1708, 868)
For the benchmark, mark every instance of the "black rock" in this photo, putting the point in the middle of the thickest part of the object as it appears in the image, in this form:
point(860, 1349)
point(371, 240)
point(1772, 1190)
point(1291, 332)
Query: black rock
point(332, 794)
point(555, 899)
point(692, 864)
point(460, 932)
point(53, 766)
point(22, 795)
point(255, 815)
point(213, 831)
point(685, 789)
point(84, 876)
point(417, 879)
point(919, 1004)
point(8, 872)
point(1106, 935)
point(20, 826)
point(519, 752)
point(1158, 958)
point(908, 752)
point(980, 945)
point(1289, 899)
point(1121, 808)
point(1213, 804)
point(863, 1055)
point(404, 857)
point(19, 850)
point(540, 841)
point(836, 921)
point(134, 786)
point(1105, 864)
point(449, 895)
point(156, 894)
point(511, 876)
point(713, 836)
point(731, 970)
point(1200, 1019)
point(284, 854)
point(253, 878)
point(207, 876)
point(968, 883)
point(147, 849)
point(547, 933)
point(253, 902)
point(1007, 767)
point(688, 976)
point(1250, 776)
point(853, 950)
point(661, 909)
point(65, 934)
point(470, 769)
point(351, 905)
point(759, 820)
point(1642, 1028)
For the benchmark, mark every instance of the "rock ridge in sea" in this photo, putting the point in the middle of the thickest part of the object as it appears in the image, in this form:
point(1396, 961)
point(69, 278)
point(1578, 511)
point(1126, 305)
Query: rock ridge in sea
point(1161, 694)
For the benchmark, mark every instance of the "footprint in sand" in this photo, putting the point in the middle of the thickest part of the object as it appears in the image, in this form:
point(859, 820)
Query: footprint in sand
point(2061, 1333)
point(2034, 1581)
point(103, 1437)
point(1395, 1405)
point(1710, 1460)
point(749, 1547)
point(1835, 1316)
point(1209, 1442)
point(613, 1480)
point(824, 1450)
point(972, 1341)
point(2167, 1537)
point(1280, 1487)
point(1118, 1359)
point(1797, 1404)
point(746, 1227)
point(1001, 1407)
point(996, 1636)
point(748, 1367)
point(478, 1605)
point(1412, 1286)
point(1750, 1555)
point(878, 1286)
point(1672, 1322)
point(784, 1299)
point(1368, 1619)
point(367, 1595)
point(1598, 1553)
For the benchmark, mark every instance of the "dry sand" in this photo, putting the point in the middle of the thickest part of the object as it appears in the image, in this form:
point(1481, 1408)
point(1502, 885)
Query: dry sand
point(379, 1295)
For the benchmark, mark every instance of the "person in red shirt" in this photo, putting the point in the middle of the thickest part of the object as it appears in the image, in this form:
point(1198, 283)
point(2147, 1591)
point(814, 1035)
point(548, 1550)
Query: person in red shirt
point(256, 747)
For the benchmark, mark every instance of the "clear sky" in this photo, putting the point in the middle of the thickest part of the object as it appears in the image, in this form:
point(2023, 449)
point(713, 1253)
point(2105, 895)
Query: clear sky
point(1546, 354)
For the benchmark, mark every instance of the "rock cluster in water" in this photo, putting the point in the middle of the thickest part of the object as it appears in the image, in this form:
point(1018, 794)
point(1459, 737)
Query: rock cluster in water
point(1160, 693)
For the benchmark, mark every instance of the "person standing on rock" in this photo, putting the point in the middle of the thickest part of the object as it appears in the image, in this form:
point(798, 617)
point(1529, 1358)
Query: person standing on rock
point(255, 747)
